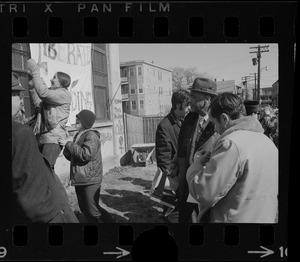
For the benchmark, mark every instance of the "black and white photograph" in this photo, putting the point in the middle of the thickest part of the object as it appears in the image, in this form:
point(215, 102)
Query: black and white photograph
point(145, 133)
point(147, 130)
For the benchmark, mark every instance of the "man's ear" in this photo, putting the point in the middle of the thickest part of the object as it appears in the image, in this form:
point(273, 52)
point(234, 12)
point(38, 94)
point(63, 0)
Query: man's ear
point(224, 118)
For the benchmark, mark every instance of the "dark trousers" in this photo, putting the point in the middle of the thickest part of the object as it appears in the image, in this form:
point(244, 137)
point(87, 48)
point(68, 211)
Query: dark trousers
point(185, 212)
point(185, 208)
point(88, 201)
point(51, 151)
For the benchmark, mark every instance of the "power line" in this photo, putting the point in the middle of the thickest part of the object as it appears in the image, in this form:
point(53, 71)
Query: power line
point(227, 64)
point(260, 49)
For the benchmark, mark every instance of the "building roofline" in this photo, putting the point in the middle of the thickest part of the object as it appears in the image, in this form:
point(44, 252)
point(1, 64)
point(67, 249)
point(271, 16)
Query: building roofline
point(134, 62)
point(225, 81)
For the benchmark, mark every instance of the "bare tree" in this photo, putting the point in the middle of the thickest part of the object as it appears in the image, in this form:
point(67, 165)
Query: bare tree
point(184, 77)
point(190, 75)
point(177, 77)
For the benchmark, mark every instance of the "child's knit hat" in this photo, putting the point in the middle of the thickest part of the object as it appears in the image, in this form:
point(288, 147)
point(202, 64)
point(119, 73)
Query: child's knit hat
point(87, 118)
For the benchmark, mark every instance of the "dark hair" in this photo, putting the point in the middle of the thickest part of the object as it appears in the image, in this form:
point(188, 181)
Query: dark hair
point(64, 79)
point(179, 96)
point(227, 103)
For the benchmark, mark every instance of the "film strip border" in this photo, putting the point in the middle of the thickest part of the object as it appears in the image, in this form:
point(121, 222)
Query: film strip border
point(161, 27)
point(165, 22)
point(184, 242)
point(154, 21)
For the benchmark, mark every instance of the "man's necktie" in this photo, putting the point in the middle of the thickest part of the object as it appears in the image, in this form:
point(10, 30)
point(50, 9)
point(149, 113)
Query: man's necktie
point(200, 129)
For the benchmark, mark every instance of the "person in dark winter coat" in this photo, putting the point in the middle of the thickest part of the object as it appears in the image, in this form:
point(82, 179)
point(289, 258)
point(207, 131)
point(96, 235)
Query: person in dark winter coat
point(166, 141)
point(196, 133)
point(86, 170)
point(38, 194)
point(168, 130)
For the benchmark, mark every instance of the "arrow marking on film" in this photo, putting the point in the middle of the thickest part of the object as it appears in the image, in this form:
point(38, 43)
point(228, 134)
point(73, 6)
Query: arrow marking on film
point(265, 253)
point(121, 253)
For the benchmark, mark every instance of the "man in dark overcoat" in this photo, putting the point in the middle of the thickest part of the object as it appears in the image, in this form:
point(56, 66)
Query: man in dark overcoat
point(196, 133)
point(38, 195)
point(166, 141)
point(168, 129)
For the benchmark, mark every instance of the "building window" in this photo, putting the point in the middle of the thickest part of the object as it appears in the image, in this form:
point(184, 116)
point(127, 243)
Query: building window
point(100, 81)
point(101, 108)
point(132, 89)
point(160, 90)
point(160, 76)
point(141, 90)
point(124, 89)
point(141, 104)
point(139, 70)
point(124, 72)
point(131, 72)
point(20, 55)
point(133, 105)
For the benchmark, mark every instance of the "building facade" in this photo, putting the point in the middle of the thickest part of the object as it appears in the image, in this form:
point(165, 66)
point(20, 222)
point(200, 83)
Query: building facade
point(146, 88)
point(226, 86)
point(266, 96)
point(104, 99)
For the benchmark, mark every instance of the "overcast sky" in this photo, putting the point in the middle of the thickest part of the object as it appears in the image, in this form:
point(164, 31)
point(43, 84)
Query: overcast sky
point(222, 61)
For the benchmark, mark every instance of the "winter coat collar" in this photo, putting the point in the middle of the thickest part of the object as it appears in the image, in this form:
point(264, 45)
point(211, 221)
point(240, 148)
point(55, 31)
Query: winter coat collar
point(174, 119)
point(80, 133)
point(248, 123)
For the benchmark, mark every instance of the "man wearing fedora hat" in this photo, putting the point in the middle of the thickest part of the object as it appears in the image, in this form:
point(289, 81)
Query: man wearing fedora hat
point(38, 195)
point(196, 133)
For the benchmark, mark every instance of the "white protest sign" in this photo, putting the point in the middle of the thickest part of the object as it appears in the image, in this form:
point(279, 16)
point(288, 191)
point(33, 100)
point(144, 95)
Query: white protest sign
point(74, 60)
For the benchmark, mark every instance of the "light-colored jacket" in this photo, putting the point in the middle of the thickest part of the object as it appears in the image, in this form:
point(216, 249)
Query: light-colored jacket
point(57, 108)
point(240, 181)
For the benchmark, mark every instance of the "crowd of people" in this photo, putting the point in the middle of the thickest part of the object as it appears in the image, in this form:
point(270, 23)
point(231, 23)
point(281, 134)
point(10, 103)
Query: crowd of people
point(218, 153)
point(225, 157)
point(267, 115)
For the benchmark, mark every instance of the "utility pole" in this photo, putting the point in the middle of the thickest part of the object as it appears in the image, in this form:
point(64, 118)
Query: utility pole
point(260, 49)
point(245, 78)
point(255, 89)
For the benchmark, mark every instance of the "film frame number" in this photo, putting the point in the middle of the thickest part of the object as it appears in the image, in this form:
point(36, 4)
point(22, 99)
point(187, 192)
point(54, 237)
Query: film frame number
point(3, 252)
point(283, 251)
